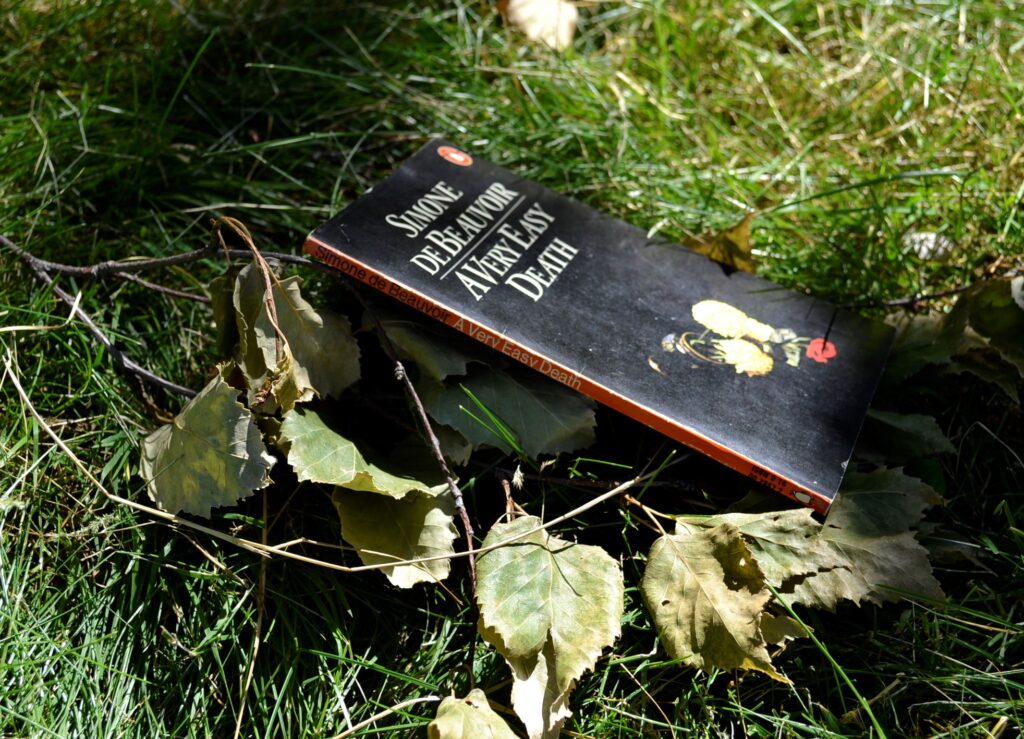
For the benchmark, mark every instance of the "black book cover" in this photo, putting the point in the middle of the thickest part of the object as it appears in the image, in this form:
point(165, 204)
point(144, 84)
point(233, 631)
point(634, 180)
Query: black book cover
point(772, 383)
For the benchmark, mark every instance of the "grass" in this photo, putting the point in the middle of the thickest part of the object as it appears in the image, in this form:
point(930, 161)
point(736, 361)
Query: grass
point(124, 128)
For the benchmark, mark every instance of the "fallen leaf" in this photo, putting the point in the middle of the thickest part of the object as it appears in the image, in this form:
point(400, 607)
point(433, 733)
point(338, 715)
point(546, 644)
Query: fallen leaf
point(439, 353)
point(785, 544)
point(869, 525)
point(925, 339)
point(706, 595)
point(318, 453)
point(549, 606)
point(221, 302)
point(543, 416)
point(468, 718)
point(988, 365)
point(383, 530)
point(896, 438)
point(996, 313)
point(730, 247)
point(551, 22)
point(211, 455)
point(781, 629)
point(319, 355)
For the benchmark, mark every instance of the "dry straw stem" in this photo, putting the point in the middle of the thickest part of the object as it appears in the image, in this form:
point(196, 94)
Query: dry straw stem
point(266, 550)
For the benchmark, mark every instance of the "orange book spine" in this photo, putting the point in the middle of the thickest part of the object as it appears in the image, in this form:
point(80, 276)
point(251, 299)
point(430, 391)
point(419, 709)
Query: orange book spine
point(529, 357)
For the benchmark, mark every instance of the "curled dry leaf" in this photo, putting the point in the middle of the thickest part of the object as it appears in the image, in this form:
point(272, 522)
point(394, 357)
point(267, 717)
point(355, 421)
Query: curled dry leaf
point(707, 596)
point(730, 247)
point(551, 22)
point(318, 354)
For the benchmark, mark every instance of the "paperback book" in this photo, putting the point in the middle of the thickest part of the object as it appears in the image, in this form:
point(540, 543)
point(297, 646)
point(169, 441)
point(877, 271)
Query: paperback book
point(770, 382)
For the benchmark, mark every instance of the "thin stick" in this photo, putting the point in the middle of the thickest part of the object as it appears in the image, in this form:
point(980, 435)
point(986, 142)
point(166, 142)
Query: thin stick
point(384, 714)
point(122, 360)
point(268, 277)
point(261, 599)
point(172, 292)
point(114, 267)
point(269, 550)
point(428, 430)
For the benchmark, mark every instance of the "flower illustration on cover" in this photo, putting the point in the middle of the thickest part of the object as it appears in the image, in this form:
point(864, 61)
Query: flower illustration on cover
point(731, 337)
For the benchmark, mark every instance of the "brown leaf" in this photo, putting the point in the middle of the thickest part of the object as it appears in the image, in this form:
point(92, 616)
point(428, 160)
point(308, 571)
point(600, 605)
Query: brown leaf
point(730, 247)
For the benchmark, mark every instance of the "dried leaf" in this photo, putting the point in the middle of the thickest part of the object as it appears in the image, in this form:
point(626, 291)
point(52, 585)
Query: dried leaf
point(989, 366)
point(468, 718)
point(221, 301)
point(320, 354)
point(383, 530)
point(781, 629)
point(730, 247)
point(211, 454)
point(896, 438)
point(543, 416)
point(439, 353)
point(785, 544)
point(996, 313)
point(549, 606)
point(869, 526)
point(318, 453)
point(706, 595)
point(551, 22)
point(925, 339)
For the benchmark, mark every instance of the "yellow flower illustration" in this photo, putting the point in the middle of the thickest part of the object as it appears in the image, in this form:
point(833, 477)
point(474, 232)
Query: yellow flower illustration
point(732, 323)
point(745, 356)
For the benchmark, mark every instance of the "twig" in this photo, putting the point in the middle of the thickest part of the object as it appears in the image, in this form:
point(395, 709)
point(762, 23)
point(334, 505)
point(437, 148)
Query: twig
point(428, 430)
point(913, 301)
point(384, 714)
point(172, 292)
point(268, 277)
point(114, 267)
point(122, 360)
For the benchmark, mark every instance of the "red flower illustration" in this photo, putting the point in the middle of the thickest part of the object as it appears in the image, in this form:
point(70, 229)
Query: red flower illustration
point(820, 350)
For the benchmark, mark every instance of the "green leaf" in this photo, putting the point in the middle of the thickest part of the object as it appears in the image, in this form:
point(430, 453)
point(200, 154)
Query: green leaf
point(988, 365)
point(544, 416)
point(318, 453)
point(895, 438)
point(869, 526)
point(438, 351)
point(384, 530)
point(221, 296)
point(706, 595)
point(996, 314)
point(549, 606)
point(925, 339)
point(210, 455)
point(468, 718)
point(320, 354)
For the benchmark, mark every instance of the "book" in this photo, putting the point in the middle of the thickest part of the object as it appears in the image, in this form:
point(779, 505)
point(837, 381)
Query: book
point(770, 382)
